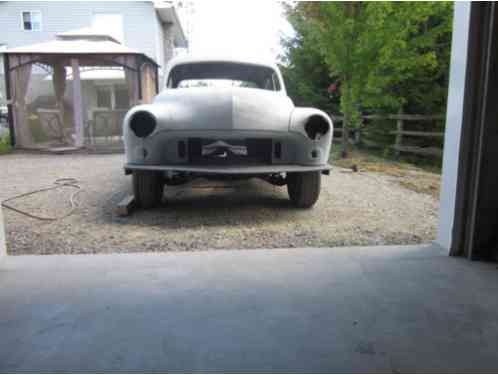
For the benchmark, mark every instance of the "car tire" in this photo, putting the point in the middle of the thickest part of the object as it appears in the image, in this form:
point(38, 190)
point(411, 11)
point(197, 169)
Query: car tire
point(147, 188)
point(304, 188)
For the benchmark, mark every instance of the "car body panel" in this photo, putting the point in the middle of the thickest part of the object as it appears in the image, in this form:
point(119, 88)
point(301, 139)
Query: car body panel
point(227, 117)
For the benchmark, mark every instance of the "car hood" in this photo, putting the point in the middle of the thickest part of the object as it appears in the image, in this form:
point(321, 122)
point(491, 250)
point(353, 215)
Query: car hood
point(232, 108)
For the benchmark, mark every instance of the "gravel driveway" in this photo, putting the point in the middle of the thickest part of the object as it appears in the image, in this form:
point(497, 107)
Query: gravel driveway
point(353, 209)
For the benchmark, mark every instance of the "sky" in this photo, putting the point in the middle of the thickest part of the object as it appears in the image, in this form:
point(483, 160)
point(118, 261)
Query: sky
point(241, 28)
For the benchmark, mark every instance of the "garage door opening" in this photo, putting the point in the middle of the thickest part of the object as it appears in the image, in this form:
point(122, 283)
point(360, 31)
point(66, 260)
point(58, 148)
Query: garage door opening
point(374, 197)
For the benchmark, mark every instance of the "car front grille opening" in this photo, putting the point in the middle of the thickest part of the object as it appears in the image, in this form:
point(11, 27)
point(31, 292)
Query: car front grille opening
point(182, 150)
point(247, 151)
point(278, 150)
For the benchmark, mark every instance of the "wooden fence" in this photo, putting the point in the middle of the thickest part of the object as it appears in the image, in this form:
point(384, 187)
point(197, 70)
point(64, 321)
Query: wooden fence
point(402, 134)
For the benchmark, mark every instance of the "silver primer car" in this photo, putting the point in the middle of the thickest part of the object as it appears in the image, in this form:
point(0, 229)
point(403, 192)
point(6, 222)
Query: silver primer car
point(225, 119)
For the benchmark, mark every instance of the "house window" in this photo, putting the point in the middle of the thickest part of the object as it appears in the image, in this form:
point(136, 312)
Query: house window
point(31, 20)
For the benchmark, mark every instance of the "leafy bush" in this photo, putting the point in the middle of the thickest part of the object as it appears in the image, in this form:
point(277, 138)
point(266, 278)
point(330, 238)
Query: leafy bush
point(5, 146)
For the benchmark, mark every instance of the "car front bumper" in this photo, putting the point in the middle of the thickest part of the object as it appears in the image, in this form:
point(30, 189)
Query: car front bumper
point(229, 170)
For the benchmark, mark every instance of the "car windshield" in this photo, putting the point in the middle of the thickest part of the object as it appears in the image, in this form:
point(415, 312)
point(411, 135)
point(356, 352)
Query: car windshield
point(222, 74)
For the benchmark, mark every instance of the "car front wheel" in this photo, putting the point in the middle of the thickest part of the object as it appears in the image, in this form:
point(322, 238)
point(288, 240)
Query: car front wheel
point(304, 188)
point(147, 188)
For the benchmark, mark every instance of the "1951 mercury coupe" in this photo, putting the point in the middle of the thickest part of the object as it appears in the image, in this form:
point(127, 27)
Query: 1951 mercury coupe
point(225, 118)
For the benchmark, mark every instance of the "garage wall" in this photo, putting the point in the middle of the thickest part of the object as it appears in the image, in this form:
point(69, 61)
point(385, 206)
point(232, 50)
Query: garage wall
point(454, 117)
point(3, 248)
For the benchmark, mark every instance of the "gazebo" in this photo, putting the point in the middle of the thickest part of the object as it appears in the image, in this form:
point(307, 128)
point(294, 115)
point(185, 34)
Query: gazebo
point(58, 92)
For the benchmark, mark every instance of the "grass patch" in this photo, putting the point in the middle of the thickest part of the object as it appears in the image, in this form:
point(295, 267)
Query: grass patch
point(423, 186)
point(5, 146)
point(423, 179)
point(372, 161)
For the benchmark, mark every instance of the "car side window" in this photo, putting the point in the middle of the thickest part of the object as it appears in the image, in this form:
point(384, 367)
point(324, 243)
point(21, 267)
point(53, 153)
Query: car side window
point(276, 82)
point(272, 83)
point(269, 84)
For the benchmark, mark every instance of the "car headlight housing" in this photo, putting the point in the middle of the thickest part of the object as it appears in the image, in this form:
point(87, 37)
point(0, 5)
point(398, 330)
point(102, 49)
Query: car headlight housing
point(143, 123)
point(316, 127)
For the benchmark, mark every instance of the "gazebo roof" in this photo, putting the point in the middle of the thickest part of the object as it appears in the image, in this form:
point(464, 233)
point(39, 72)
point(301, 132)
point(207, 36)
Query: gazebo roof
point(82, 42)
point(72, 47)
point(71, 56)
point(86, 33)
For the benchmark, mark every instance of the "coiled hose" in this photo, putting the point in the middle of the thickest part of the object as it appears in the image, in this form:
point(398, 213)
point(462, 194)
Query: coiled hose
point(59, 183)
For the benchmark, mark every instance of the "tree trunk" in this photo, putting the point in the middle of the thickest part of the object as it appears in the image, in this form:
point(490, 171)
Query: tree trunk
point(347, 95)
point(345, 135)
point(399, 134)
point(347, 109)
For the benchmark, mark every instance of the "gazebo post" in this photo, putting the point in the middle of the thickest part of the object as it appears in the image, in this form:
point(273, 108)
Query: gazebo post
point(77, 103)
point(139, 78)
point(10, 113)
point(157, 79)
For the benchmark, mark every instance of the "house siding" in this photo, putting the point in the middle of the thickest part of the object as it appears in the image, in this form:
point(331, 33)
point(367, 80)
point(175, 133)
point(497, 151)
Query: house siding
point(139, 22)
point(159, 47)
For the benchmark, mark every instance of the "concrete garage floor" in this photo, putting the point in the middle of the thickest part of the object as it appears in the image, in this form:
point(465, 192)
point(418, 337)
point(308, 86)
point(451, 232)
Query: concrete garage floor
point(389, 309)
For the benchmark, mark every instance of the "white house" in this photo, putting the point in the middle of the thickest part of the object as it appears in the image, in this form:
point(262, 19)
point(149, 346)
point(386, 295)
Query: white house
point(151, 28)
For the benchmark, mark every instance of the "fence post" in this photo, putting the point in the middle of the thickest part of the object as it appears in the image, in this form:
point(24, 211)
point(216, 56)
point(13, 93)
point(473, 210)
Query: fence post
point(399, 135)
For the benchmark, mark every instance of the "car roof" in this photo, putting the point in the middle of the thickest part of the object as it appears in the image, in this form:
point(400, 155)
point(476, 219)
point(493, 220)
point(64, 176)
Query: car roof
point(186, 59)
point(192, 59)
point(189, 59)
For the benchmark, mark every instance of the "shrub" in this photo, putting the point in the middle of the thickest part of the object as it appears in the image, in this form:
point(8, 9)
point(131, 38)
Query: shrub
point(5, 146)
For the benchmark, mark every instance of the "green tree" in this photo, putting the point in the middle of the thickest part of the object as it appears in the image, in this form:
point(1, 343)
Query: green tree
point(412, 63)
point(387, 56)
point(304, 69)
point(338, 31)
